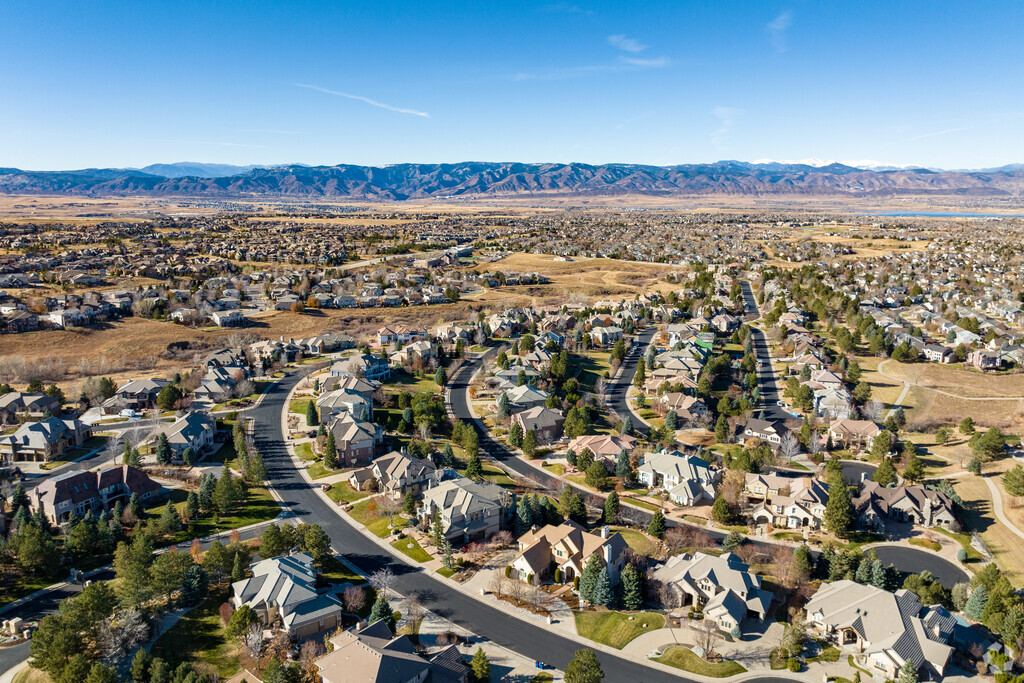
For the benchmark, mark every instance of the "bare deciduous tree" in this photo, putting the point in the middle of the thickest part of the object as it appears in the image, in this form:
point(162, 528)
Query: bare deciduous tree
point(354, 598)
point(873, 410)
point(517, 590)
point(789, 447)
point(252, 640)
point(497, 583)
point(706, 636)
point(382, 579)
point(121, 632)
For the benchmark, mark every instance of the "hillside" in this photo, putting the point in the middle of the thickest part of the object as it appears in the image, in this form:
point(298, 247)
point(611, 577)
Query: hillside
point(424, 181)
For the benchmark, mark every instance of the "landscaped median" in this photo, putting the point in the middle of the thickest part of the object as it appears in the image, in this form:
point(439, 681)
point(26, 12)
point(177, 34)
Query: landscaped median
point(616, 629)
point(684, 658)
point(410, 547)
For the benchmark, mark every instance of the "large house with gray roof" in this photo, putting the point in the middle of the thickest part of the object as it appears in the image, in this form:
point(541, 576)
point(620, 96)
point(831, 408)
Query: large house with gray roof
point(882, 630)
point(283, 592)
point(76, 493)
point(726, 588)
point(469, 511)
point(687, 479)
point(44, 440)
point(374, 655)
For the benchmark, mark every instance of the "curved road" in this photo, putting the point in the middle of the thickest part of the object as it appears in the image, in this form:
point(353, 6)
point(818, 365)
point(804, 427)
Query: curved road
point(438, 595)
point(619, 387)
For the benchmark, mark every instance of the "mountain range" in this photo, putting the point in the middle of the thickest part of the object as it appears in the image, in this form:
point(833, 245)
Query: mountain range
point(504, 179)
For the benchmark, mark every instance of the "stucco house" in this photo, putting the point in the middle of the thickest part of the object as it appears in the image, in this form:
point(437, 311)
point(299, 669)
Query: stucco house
point(876, 504)
point(687, 478)
point(395, 474)
point(469, 511)
point(567, 547)
point(283, 592)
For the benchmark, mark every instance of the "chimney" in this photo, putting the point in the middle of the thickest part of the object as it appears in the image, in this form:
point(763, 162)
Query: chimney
point(604, 531)
point(863, 475)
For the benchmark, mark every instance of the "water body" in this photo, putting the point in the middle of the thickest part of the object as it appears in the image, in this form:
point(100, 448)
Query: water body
point(940, 214)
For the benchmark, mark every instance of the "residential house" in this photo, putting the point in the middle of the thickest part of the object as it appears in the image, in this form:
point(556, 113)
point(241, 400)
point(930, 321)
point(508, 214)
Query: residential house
point(726, 588)
point(545, 423)
point(606, 335)
point(800, 504)
point(229, 318)
point(605, 447)
point(283, 593)
point(882, 630)
point(395, 474)
point(363, 365)
point(853, 433)
point(374, 655)
point(79, 492)
point(526, 396)
point(687, 408)
point(45, 440)
point(138, 394)
point(984, 359)
point(875, 504)
point(562, 551)
point(357, 441)
point(771, 432)
point(687, 479)
point(15, 403)
point(469, 511)
point(193, 430)
point(334, 403)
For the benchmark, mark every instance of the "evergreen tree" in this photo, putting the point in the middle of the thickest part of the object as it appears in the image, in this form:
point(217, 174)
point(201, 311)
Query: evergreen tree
point(530, 444)
point(623, 470)
point(720, 511)
point(640, 376)
point(312, 418)
point(271, 542)
point(436, 529)
point(330, 452)
point(588, 578)
point(885, 473)
point(627, 426)
point(1013, 481)
point(515, 435)
point(504, 409)
point(163, 449)
point(611, 508)
point(878, 574)
point(189, 457)
point(838, 510)
point(480, 666)
point(570, 457)
point(908, 673)
point(409, 504)
point(170, 522)
point(382, 610)
point(863, 574)
point(135, 506)
point(671, 420)
point(257, 468)
point(656, 527)
point(140, 666)
point(238, 570)
point(441, 377)
point(914, 471)
point(448, 456)
point(603, 588)
point(225, 494)
point(975, 605)
point(632, 587)
point(571, 506)
point(721, 430)
point(207, 483)
point(524, 516)
point(474, 468)
point(584, 668)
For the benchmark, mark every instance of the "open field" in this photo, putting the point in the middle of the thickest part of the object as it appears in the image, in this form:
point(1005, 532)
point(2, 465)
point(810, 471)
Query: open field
point(616, 629)
point(1001, 542)
point(955, 380)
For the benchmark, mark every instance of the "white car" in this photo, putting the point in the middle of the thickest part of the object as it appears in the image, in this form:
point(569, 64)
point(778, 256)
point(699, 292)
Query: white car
point(779, 403)
point(128, 412)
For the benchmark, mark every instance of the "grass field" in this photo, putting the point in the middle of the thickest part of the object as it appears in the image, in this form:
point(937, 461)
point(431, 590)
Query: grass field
point(591, 365)
point(955, 380)
point(556, 468)
point(32, 675)
point(1000, 541)
point(400, 381)
point(199, 637)
point(409, 546)
point(336, 572)
point(641, 543)
point(372, 520)
point(683, 658)
point(882, 388)
point(318, 471)
point(15, 587)
point(305, 451)
point(260, 506)
point(341, 491)
point(615, 629)
point(926, 544)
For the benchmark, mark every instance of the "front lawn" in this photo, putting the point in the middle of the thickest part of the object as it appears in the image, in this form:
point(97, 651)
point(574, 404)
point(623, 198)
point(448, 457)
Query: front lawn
point(298, 405)
point(16, 587)
point(556, 468)
point(926, 543)
point(259, 506)
point(683, 658)
point(446, 572)
point(305, 451)
point(199, 637)
point(591, 366)
point(409, 546)
point(616, 629)
point(400, 381)
point(318, 471)
point(342, 492)
point(373, 520)
point(492, 473)
point(641, 543)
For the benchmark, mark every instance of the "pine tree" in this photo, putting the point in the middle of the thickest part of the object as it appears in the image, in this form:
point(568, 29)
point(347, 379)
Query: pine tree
point(627, 426)
point(570, 457)
point(603, 588)
point(224, 493)
point(257, 468)
point(382, 610)
point(863, 574)
point(504, 409)
point(885, 473)
point(163, 449)
point(480, 666)
point(632, 588)
point(524, 516)
point(584, 668)
point(409, 504)
point(1013, 481)
point(588, 578)
point(914, 471)
point(975, 605)
point(330, 452)
point(908, 673)
point(474, 468)
point(441, 377)
point(838, 512)
point(878, 574)
point(189, 457)
point(515, 435)
point(721, 430)
point(530, 444)
point(623, 470)
point(140, 666)
point(656, 527)
point(207, 482)
point(436, 529)
point(312, 418)
point(671, 420)
point(169, 520)
point(448, 455)
point(611, 508)
point(238, 569)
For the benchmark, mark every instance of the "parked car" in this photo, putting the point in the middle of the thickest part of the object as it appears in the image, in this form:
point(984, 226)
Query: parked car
point(128, 412)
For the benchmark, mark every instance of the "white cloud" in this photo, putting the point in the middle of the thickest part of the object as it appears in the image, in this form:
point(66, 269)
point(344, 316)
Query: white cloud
point(777, 30)
point(627, 44)
point(367, 100)
point(647, 63)
point(726, 120)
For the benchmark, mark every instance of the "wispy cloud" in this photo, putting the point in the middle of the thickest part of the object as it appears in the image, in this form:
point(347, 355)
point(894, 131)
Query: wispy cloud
point(366, 100)
point(565, 8)
point(937, 133)
point(628, 44)
point(726, 120)
point(777, 30)
point(646, 63)
point(272, 131)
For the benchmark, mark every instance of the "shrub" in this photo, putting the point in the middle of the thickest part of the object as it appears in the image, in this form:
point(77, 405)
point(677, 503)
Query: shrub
point(508, 572)
point(793, 664)
point(961, 555)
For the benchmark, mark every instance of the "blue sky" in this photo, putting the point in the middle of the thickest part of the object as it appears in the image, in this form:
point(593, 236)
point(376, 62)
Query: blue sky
point(89, 83)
